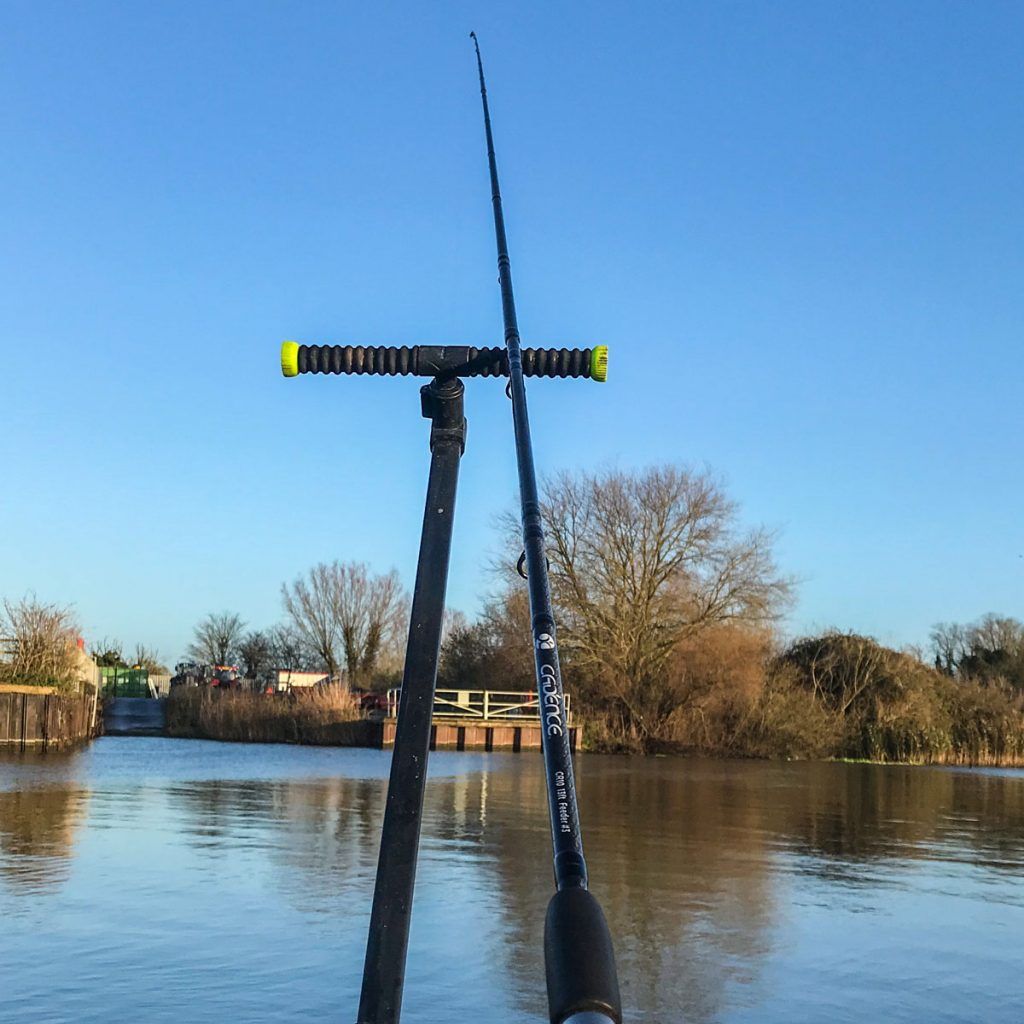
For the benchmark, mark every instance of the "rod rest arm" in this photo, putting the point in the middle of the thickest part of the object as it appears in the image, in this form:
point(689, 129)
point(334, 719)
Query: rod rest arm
point(441, 361)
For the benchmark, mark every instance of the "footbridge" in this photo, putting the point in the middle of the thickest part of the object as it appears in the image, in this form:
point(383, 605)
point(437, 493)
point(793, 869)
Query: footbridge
point(483, 720)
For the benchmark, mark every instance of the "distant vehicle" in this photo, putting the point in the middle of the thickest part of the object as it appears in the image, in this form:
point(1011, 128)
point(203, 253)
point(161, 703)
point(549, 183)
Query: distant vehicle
point(295, 680)
point(226, 677)
point(370, 700)
point(191, 673)
point(186, 674)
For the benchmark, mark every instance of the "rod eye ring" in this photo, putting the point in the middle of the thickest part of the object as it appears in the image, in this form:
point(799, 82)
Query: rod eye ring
point(521, 565)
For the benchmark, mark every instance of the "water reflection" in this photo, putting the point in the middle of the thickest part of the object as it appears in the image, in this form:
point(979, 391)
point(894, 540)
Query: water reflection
point(37, 836)
point(736, 891)
point(321, 836)
point(855, 813)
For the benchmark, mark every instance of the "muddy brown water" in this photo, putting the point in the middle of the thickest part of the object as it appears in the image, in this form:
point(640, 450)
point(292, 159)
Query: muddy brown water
point(153, 880)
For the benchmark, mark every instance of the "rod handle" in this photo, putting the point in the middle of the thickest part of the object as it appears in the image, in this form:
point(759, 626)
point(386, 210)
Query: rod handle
point(579, 959)
point(441, 360)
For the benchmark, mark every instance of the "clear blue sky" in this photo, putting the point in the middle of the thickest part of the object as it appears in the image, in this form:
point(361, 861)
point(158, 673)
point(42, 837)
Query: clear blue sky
point(799, 226)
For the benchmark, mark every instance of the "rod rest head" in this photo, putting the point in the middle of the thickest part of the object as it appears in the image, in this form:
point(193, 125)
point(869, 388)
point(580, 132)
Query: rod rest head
point(441, 361)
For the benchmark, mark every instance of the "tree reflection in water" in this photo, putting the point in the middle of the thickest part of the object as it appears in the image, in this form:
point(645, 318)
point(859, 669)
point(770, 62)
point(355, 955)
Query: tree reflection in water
point(37, 836)
point(704, 868)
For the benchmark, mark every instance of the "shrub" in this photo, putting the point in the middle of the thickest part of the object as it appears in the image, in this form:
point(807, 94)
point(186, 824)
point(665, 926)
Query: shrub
point(41, 642)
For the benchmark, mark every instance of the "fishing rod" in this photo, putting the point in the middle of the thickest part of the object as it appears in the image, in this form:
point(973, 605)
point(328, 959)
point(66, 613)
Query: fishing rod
point(579, 960)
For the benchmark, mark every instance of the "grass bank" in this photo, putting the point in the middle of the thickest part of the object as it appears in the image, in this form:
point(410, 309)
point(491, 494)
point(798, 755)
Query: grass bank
point(320, 716)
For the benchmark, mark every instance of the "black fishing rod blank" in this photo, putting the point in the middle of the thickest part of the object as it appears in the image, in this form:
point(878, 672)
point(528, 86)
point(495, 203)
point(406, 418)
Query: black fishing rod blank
point(579, 960)
point(580, 966)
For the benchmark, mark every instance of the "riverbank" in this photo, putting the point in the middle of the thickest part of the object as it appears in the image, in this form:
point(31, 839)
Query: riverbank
point(329, 718)
point(332, 718)
point(326, 716)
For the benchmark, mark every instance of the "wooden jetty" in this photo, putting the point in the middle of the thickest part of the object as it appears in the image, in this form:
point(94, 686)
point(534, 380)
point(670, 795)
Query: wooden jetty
point(481, 720)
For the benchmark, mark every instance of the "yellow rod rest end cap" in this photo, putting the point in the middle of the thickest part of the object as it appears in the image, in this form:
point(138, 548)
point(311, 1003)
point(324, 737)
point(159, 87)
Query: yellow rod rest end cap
point(599, 363)
point(290, 358)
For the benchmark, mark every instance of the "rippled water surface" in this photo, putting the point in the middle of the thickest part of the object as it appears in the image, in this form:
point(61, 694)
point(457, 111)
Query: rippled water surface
point(155, 880)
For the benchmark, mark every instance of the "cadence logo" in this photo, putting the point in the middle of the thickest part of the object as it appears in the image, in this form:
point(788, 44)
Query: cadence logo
point(551, 711)
point(545, 642)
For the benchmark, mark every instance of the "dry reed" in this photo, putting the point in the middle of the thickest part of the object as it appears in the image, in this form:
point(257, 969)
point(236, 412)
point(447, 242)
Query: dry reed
point(321, 715)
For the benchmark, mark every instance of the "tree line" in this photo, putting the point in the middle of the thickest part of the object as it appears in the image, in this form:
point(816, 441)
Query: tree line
point(668, 612)
point(340, 618)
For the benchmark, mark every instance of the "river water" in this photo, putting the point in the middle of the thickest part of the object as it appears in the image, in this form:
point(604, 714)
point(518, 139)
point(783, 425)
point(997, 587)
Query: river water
point(156, 880)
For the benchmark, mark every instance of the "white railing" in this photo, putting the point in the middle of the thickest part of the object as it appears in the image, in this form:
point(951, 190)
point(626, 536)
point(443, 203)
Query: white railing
point(509, 706)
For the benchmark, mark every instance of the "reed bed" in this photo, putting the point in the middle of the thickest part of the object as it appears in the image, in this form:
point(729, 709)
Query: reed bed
point(322, 715)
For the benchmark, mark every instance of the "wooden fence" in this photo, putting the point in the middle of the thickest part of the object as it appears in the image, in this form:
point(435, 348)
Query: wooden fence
point(43, 719)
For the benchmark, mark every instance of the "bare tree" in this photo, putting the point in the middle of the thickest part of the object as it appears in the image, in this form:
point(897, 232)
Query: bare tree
point(288, 650)
point(453, 621)
point(311, 604)
point(841, 669)
point(256, 651)
point(993, 633)
point(149, 659)
point(108, 653)
point(39, 641)
point(640, 561)
point(346, 614)
point(369, 617)
point(989, 651)
point(950, 645)
point(493, 652)
point(996, 654)
point(391, 656)
point(216, 638)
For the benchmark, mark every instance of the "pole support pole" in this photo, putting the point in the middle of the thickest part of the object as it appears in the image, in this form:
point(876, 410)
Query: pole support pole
point(380, 1000)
